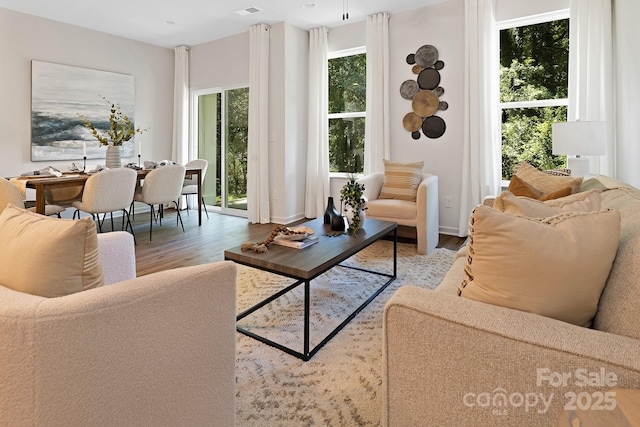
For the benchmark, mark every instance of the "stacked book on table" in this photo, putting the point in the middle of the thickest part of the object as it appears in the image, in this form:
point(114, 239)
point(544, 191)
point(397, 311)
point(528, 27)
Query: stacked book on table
point(298, 244)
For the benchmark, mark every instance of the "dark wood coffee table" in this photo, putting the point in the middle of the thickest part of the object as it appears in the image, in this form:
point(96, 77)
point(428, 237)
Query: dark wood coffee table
point(304, 265)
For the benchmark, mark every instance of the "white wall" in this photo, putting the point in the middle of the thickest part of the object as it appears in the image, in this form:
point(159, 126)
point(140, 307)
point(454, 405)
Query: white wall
point(220, 63)
point(296, 76)
point(24, 38)
point(442, 26)
point(288, 106)
point(627, 108)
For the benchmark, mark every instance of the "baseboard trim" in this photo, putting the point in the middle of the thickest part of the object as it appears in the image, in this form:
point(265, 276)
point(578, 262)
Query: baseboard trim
point(450, 231)
point(288, 219)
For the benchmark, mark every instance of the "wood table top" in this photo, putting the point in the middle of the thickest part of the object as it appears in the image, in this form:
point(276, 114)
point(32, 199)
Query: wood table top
point(313, 260)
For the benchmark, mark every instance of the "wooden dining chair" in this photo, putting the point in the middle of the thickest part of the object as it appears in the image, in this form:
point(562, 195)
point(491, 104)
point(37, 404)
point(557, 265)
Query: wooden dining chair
point(9, 193)
point(106, 192)
point(161, 185)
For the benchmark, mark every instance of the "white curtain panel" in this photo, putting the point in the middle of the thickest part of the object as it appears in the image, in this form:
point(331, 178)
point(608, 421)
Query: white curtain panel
point(258, 143)
point(591, 72)
point(627, 84)
point(180, 147)
point(377, 122)
point(317, 190)
point(481, 162)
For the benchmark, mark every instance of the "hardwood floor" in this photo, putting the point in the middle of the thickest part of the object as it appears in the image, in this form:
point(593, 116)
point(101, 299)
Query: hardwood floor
point(171, 248)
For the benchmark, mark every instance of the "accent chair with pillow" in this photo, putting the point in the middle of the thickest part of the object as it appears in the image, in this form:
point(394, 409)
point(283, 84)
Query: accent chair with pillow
point(543, 290)
point(406, 195)
point(148, 351)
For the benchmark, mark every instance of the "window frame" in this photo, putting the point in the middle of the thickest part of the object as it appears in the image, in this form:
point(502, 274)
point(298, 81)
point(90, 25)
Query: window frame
point(539, 103)
point(341, 54)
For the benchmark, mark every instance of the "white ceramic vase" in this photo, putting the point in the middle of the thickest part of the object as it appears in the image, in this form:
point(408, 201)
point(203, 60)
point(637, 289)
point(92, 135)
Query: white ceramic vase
point(113, 159)
point(350, 214)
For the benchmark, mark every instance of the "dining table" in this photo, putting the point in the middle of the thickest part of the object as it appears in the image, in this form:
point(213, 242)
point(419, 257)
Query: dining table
point(42, 184)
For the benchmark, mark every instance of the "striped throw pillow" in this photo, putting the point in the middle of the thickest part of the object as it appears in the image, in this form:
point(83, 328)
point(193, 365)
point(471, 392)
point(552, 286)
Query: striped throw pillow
point(401, 180)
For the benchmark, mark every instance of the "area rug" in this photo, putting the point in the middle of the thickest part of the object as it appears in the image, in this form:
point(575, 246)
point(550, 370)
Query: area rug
point(341, 384)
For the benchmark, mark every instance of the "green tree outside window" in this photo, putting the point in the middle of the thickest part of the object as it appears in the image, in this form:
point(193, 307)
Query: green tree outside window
point(347, 110)
point(533, 92)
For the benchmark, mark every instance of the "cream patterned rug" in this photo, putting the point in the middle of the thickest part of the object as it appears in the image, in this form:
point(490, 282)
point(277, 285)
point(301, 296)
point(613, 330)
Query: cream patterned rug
point(341, 384)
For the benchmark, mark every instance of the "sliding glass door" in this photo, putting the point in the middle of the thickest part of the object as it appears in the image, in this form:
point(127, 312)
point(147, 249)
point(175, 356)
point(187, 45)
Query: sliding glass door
point(220, 131)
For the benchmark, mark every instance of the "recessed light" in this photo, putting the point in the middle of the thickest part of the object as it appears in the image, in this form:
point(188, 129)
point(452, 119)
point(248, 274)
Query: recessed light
point(309, 5)
point(170, 22)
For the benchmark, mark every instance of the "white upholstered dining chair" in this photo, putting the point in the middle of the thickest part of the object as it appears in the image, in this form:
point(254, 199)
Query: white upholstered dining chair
point(108, 191)
point(190, 185)
point(161, 185)
point(9, 193)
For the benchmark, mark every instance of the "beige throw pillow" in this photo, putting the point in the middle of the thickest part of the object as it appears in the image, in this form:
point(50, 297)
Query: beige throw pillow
point(545, 183)
point(401, 180)
point(579, 202)
point(45, 256)
point(555, 267)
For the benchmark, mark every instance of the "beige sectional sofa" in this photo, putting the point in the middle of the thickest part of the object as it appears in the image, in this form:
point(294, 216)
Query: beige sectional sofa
point(157, 350)
point(453, 361)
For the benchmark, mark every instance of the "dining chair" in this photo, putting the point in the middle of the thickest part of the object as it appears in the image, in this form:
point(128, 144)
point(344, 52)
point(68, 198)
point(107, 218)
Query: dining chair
point(9, 193)
point(107, 192)
point(190, 185)
point(161, 185)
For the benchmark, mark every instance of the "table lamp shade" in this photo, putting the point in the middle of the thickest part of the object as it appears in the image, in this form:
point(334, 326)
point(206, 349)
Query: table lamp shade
point(579, 138)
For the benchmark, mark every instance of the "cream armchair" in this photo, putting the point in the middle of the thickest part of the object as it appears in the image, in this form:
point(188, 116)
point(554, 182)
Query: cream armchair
point(157, 350)
point(421, 215)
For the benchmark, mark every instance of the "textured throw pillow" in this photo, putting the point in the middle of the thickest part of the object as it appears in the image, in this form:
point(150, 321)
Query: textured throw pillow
point(520, 188)
point(45, 256)
point(401, 180)
point(558, 172)
point(578, 202)
point(555, 267)
point(545, 183)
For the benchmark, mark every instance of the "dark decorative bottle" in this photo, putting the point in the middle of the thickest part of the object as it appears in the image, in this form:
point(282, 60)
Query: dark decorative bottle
point(337, 223)
point(330, 212)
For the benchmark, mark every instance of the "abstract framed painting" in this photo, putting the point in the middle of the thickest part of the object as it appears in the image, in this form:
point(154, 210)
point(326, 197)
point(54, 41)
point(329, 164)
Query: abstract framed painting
point(59, 93)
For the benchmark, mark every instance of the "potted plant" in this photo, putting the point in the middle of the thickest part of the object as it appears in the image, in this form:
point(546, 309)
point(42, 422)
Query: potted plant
point(120, 130)
point(355, 203)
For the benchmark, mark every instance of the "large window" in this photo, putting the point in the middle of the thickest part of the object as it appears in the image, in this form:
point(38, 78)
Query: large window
point(534, 58)
point(221, 129)
point(347, 111)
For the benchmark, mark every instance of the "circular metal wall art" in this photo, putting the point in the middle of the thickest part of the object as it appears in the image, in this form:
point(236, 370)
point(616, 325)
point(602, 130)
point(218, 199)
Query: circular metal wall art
point(424, 93)
point(433, 127)
point(425, 103)
point(412, 122)
point(426, 56)
point(409, 88)
point(429, 78)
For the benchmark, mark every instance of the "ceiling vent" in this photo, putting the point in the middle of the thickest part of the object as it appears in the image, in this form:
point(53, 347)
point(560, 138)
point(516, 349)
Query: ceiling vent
point(248, 11)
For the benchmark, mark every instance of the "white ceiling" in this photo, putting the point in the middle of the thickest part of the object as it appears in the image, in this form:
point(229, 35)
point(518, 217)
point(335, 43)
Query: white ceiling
point(170, 23)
